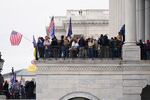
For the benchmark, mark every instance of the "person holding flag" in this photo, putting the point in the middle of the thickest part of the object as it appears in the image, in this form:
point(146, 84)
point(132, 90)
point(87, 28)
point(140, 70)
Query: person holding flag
point(14, 90)
point(13, 77)
point(51, 28)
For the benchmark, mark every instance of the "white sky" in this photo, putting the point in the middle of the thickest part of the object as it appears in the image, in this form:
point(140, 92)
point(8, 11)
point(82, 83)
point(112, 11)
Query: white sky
point(30, 18)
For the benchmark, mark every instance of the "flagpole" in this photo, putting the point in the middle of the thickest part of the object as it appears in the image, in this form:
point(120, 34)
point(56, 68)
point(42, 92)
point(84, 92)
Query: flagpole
point(26, 38)
point(12, 70)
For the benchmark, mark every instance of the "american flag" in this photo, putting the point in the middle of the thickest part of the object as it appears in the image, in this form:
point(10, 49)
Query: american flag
point(15, 38)
point(51, 28)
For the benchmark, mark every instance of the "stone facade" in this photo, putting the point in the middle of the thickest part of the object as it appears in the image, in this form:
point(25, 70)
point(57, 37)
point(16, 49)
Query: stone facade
point(90, 22)
point(92, 79)
point(100, 79)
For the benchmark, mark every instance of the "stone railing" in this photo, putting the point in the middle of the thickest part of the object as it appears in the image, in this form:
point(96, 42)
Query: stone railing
point(88, 66)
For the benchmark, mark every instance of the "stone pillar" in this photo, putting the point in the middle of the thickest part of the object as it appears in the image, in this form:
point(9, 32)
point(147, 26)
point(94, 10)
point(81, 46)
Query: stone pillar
point(140, 22)
point(130, 21)
point(137, 20)
point(117, 16)
point(147, 19)
point(130, 50)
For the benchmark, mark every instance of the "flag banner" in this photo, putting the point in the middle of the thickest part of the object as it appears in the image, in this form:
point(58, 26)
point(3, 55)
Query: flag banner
point(34, 42)
point(69, 29)
point(122, 32)
point(36, 54)
point(15, 38)
point(51, 28)
point(35, 48)
point(13, 78)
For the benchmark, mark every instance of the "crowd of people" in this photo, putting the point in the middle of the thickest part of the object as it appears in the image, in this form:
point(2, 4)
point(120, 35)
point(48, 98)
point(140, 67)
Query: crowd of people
point(79, 47)
point(145, 49)
point(20, 91)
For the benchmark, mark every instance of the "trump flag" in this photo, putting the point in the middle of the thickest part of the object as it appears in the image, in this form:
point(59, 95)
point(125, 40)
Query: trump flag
point(15, 38)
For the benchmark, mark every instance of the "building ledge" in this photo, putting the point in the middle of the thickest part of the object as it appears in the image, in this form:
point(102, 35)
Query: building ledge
point(89, 66)
point(90, 61)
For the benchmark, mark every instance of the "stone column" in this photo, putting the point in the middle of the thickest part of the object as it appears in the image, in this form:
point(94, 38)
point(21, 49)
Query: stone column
point(117, 16)
point(130, 50)
point(147, 19)
point(140, 22)
point(130, 21)
point(137, 20)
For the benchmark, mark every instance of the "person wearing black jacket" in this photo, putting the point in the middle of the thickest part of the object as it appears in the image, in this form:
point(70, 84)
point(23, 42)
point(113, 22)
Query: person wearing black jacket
point(81, 47)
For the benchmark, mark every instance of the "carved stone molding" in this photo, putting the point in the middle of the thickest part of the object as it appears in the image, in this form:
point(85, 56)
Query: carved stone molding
point(92, 67)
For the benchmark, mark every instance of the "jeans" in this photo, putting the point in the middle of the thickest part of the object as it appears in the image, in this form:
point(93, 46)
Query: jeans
point(90, 53)
point(82, 52)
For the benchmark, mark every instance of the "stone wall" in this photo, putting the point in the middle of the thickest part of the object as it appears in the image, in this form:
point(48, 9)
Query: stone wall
point(93, 79)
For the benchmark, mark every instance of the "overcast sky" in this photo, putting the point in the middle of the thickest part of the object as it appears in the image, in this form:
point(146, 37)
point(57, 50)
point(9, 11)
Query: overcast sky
point(30, 18)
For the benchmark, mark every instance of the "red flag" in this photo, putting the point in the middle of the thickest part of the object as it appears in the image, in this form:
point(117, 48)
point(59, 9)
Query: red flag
point(15, 38)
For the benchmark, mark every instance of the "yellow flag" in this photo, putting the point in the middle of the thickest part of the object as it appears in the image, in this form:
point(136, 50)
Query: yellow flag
point(35, 53)
point(32, 68)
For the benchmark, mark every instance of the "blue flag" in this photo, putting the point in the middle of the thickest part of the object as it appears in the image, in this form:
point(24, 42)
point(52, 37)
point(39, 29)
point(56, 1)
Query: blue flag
point(51, 28)
point(69, 29)
point(34, 42)
point(13, 77)
point(122, 30)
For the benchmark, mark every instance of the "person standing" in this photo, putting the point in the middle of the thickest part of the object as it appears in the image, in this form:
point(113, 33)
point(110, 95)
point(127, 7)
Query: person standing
point(47, 47)
point(90, 48)
point(40, 45)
